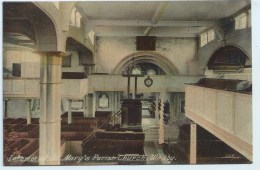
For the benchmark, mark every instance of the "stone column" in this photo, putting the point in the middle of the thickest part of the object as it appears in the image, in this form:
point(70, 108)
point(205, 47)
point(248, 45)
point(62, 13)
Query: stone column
point(193, 143)
point(29, 113)
point(69, 112)
point(50, 108)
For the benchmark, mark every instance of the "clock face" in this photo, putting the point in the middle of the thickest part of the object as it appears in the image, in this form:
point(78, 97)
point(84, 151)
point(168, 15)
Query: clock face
point(148, 81)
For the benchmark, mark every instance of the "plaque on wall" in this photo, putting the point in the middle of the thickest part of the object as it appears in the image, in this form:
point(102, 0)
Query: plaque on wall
point(103, 101)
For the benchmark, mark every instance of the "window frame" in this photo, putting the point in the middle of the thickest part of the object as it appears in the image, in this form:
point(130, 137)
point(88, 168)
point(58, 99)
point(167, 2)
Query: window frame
point(207, 37)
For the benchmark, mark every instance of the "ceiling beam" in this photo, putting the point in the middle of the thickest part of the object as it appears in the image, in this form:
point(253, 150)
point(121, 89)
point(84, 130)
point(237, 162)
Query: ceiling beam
point(146, 23)
point(157, 15)
point(188, 32)
point(133, 34)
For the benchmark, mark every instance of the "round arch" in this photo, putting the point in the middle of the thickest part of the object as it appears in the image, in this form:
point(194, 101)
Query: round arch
point(229, 44)
point(44, 29)
point(223, 55)
point(147, 57)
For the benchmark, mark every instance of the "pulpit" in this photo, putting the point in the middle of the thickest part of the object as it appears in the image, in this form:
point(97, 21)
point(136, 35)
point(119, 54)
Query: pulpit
point(131, 113)
point(131, 116)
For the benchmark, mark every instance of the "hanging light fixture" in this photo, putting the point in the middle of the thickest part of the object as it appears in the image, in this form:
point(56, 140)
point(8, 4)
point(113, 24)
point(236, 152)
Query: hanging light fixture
point(132, 69)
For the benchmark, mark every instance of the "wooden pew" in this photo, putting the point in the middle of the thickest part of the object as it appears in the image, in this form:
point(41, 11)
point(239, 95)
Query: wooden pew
point(113, 143)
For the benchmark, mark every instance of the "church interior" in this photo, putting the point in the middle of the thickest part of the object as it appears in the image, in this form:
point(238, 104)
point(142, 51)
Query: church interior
point(127, 82)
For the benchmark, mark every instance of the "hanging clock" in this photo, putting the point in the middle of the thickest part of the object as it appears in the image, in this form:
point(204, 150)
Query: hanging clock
point(148, 81)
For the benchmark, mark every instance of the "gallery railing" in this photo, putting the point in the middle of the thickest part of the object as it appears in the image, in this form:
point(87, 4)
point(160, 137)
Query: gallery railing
point(225, 114)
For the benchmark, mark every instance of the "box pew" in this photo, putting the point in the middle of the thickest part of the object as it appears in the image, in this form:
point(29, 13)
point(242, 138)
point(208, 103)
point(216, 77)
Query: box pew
point(75, 132)
point(26, 149)
point(16, 121)
point(29, 131)
point(16, 146)
point(113, 143)
point(35, 121)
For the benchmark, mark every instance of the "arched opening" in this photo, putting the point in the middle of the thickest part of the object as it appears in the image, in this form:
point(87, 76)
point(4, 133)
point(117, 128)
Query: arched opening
point(229, 57)
point(19, 32)
point(18, 20)
point(148, 61)
point(80, 63)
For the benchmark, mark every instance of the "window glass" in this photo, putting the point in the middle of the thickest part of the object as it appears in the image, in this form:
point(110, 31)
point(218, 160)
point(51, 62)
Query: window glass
point(207, 37)
point(73, 17)
point(241, 21)
point(91, 36)
point(203, 39)
point(78, 17)
point(211, 35)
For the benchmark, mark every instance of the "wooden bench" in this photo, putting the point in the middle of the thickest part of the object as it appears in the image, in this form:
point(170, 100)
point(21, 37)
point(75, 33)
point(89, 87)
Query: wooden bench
point(29, 131)
point(113, 143)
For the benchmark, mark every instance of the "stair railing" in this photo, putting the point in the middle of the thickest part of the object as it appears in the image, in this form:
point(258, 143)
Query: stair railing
point(95, 131)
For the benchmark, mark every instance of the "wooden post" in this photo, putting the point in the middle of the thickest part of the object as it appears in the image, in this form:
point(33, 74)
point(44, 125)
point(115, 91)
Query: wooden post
point(6, 108)
point(94, 103)
point(193, 143)
point(69, 112)
point(135, 87)
point(29, 113)
point(128, 87)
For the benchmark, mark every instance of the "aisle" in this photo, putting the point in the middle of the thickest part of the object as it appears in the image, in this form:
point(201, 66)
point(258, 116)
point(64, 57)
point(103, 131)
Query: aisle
point(151, 153)
point(154, 154)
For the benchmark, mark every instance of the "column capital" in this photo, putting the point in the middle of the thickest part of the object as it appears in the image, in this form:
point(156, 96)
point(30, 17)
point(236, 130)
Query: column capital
point(52, 57)
point(53, 53)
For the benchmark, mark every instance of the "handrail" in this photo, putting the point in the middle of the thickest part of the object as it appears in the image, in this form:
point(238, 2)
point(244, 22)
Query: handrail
point(115, 115)
point(220, 76)
point(95, 131)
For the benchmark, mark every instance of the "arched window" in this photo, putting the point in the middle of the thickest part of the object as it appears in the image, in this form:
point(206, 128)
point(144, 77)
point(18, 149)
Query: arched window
point(207, 37)
point(229, 58)
point(91, 36)
point(73, 17)
point(77, 19)
point(241, 21)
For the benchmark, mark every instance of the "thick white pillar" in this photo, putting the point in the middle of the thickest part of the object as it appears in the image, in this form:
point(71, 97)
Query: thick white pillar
point(50, 107)
point(69, 112)
point(29, 113)
point(193, 143)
